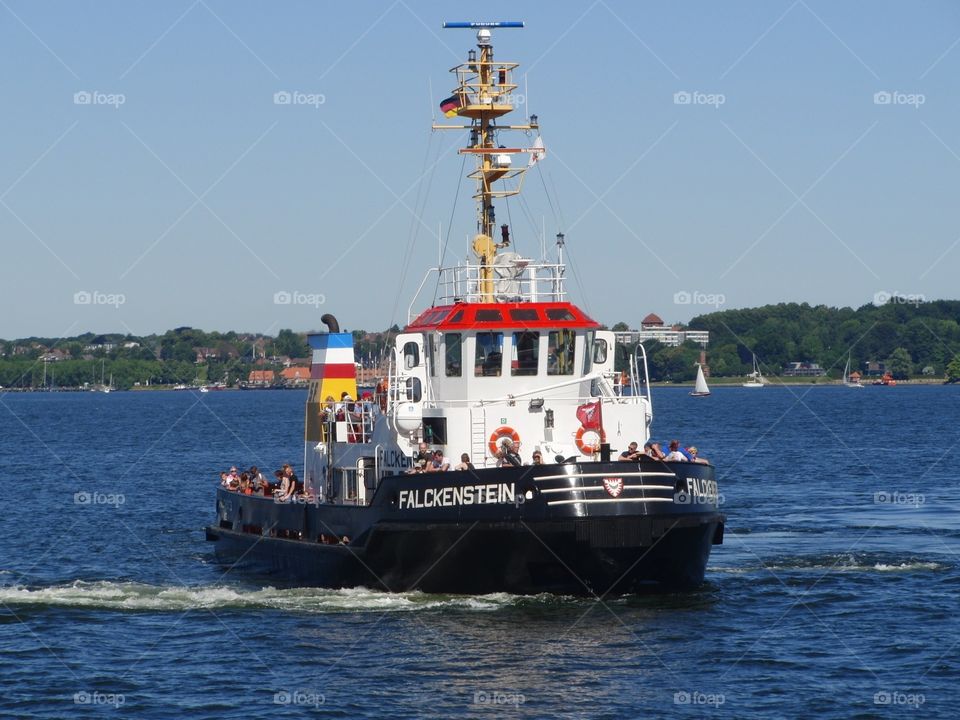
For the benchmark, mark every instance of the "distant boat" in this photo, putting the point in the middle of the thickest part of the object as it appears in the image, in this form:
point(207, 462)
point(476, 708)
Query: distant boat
point(847, 382)
point(756, 379)
point(204, 388)
point(700, 389)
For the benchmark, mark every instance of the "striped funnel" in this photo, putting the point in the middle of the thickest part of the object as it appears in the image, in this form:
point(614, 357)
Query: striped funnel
point(332, 373)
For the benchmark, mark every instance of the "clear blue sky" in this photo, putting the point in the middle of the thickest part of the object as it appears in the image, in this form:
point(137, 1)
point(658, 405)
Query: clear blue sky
point(199, 198)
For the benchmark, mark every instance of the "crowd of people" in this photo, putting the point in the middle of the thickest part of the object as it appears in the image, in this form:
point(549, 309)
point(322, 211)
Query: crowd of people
point(426, 460)
point(675, 453)
point(285, 485)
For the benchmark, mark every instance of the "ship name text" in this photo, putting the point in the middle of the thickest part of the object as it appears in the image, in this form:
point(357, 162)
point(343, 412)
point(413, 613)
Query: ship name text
point(491, 494)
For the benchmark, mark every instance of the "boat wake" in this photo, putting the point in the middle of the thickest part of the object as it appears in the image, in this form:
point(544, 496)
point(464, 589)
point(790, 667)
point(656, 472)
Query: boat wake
point(139, 597)
point(838, 563)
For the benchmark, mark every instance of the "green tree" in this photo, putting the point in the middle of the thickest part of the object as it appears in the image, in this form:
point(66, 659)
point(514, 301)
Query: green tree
point(620, 327)
point(899, 364)
point(953, 370)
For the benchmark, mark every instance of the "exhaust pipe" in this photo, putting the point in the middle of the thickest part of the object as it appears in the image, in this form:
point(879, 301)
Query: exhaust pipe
point(331, 322)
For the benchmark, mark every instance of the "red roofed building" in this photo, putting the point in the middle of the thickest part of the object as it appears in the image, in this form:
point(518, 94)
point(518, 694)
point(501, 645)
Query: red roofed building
point(651, 320)
point(261, 378)
point(295, 375)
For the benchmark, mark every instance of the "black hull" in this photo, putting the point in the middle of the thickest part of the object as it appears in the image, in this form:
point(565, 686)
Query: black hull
point(543, 541)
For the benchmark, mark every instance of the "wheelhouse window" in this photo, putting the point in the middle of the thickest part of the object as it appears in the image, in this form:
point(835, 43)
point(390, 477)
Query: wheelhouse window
point(411, 355)
point(488, 359)
point(599, 351)
point(431, 355)
point(559, 314)
point(526, 353)
point(488, 315)
point(561, 345)
point(453, 354)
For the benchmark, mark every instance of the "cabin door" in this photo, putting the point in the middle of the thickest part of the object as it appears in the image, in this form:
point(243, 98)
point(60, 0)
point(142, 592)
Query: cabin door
point(410, 388)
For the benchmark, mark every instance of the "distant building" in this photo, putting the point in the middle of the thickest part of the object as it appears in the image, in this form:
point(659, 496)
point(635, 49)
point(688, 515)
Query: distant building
point(652, 327)
point(295, 376)
point(803, 369)
point(260, 378)
point(875, 368)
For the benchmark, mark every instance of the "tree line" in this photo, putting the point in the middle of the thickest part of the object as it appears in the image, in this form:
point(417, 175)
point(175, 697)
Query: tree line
point(911, 339)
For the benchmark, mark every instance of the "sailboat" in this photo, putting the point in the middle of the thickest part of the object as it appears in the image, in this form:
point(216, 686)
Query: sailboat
point(700, 389)
point(756, 378)
point(847, 382)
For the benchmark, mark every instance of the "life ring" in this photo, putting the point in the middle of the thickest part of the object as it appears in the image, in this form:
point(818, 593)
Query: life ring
point(499, 434)
point(592, 447)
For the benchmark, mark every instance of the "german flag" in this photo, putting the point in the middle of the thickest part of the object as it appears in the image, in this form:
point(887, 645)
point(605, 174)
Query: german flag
point(451, 106)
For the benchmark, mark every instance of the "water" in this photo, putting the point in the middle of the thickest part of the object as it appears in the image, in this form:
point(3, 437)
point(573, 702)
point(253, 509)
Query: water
point(834, 594)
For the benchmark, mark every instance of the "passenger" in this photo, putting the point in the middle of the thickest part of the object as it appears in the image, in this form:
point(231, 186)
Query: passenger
point(234, 476)
point(296, 485)
point(652, 449)
point(256, 478)
point(508, 457)
point(224, 480)
point(695, 457)
point(631, 454)
point(438, 462)
point(245, 487)
point(464, 463)
point(537, 458)
point(420, 459)
point(675, 455)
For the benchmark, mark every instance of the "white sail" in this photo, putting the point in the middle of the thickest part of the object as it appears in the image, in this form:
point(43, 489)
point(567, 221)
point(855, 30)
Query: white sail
point(701, 386)
point(756, 377)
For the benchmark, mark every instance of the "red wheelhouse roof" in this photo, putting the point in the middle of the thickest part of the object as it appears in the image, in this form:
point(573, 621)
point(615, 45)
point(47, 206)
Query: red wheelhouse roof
point(502, 316)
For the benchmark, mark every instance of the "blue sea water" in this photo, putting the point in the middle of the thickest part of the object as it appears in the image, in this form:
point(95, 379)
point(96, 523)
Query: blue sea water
point(835, 593)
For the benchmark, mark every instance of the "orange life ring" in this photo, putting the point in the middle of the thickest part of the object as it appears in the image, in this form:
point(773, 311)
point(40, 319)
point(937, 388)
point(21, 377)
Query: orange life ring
point(584, 447)
point(502, 432)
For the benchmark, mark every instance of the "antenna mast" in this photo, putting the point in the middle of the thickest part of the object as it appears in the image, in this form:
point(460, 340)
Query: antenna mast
point(482, 95)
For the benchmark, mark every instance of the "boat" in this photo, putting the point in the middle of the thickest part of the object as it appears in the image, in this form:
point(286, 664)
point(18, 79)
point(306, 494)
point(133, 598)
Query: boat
point(499, 365)
point(887, 380)
point(848, 380)
point(700, 388)
point(756, 377)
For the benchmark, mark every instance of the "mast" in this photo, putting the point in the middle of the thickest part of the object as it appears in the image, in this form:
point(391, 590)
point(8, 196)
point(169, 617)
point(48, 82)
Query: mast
point(482, 95)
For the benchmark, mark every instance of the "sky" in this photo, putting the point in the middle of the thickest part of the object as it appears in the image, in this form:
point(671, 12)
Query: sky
point(700, 156)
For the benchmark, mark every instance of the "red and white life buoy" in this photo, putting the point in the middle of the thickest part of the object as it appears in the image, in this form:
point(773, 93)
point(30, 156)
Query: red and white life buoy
point(588, 441)
point(499, 434)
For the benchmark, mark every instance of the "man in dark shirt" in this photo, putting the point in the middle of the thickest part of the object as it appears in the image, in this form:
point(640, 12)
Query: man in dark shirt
point(421, 458)
point(631, 454)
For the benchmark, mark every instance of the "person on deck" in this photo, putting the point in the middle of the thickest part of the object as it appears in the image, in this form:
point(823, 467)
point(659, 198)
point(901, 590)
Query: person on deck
point(537, 458)
point(464, 463)
point(420, 459)
point(652, 449)
point(508, 457)
point(675, 455)
point(695, 456)
point(631, 454)
point(438, 463)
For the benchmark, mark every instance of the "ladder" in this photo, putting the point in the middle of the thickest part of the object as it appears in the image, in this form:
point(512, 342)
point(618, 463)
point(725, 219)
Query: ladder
point(478, 436)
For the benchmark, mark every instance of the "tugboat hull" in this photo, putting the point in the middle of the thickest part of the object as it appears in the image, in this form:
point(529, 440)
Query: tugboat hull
point(562, 532)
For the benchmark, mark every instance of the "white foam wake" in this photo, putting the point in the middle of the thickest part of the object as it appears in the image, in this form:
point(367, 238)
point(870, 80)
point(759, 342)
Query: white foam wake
point(141, 597)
